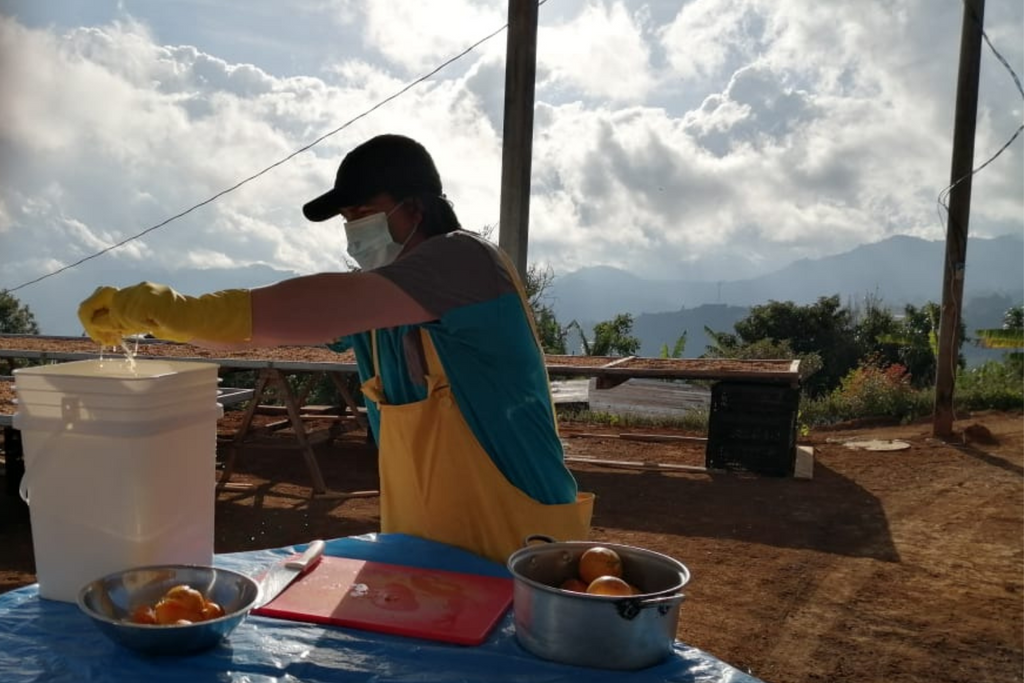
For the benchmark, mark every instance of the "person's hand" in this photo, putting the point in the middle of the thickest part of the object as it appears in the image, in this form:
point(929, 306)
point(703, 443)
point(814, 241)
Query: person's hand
point(94, 313)
point(222, 317)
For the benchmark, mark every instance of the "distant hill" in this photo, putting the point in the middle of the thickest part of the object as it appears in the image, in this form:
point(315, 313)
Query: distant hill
point(896, 271)
point(899, 270)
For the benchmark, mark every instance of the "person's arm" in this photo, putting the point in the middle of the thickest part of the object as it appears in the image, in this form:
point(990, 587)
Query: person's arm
point(320, 308)
point(315, 309)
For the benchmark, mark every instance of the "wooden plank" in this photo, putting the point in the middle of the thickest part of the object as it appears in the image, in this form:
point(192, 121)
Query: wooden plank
point(322, 359)
point(650, 438)
point(631, 465)
point(322, 411)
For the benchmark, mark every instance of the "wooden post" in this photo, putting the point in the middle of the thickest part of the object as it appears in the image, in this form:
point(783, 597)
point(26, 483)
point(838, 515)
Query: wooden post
point(959, 214)
point(517, 135)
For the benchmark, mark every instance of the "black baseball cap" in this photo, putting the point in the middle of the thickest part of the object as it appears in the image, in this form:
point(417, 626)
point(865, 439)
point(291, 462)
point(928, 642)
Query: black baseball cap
point(389, 163)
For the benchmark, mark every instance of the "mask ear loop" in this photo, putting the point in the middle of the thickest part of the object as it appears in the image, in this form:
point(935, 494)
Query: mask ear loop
point(405, 242)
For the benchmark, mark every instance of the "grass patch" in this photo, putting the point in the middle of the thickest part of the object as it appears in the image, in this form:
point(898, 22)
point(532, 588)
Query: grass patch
point(693, 421)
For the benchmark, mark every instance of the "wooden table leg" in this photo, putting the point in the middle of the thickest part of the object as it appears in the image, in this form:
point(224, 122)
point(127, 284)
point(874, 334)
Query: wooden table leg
point(291, 404)
point(306, 386)
point(295, 416)
point(276, 381)
point(339, 383)
point(224, 482)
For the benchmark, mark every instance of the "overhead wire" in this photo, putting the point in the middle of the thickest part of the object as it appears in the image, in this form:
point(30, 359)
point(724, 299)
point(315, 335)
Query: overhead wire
point(945, 193)
point(269, 168)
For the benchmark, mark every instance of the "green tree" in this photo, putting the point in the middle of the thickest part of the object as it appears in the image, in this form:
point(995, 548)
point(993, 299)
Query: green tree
point(613, 337)
point(873, 325)
point(15, 317)
point(552, 334)
point(1010, 336)
point(1013, 319)
point(725, 345)
point(677, 350)
point(916, 338)
point(824, 328)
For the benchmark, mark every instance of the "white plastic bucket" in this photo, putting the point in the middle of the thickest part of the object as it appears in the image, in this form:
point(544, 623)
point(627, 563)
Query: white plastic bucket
point(120, 466)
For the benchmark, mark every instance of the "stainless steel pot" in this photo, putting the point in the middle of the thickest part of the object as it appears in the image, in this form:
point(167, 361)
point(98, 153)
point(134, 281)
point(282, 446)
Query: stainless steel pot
point(595, 630)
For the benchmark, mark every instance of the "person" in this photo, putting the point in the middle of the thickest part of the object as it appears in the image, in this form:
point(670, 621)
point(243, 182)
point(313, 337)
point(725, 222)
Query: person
point(457, 391)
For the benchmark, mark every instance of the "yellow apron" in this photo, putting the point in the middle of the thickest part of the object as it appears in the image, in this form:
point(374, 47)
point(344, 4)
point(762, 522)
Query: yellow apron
point(437, 481)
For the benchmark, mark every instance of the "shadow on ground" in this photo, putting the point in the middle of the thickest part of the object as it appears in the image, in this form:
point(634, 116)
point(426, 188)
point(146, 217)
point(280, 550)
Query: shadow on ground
point(829, 514)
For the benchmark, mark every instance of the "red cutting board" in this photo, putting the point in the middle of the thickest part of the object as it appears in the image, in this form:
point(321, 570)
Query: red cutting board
point(391, 598)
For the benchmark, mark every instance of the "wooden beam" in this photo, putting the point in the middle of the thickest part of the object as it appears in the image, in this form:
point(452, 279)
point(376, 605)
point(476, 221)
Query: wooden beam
point(631, 465)
point(517, 133)
point(650, 438)
point(964, 126)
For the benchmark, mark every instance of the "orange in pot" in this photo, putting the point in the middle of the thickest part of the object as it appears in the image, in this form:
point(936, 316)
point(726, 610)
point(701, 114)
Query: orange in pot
point(574, 584)
point(599, 561)
point(609, 585)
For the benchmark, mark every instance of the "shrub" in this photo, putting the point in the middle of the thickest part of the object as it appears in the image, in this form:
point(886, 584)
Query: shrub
point(991, 386)
point(870, 390)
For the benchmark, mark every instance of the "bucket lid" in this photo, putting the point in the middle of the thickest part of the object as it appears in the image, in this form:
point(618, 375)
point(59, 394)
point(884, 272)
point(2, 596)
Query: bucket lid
point(118, 369)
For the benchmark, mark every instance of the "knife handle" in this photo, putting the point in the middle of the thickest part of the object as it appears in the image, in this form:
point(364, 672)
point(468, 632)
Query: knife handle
point(311, 555)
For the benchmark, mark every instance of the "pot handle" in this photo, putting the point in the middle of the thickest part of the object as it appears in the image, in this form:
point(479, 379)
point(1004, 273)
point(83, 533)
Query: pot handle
point(629, 608)
point(537, 537)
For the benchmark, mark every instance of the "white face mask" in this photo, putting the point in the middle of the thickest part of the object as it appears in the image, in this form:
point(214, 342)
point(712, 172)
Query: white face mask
point(370, 243)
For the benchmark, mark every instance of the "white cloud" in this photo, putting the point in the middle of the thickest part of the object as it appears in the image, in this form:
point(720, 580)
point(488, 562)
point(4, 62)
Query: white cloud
point(668, 139)
point(601, 53)
point(419, 36)
point(173, 127)
point(707, 35)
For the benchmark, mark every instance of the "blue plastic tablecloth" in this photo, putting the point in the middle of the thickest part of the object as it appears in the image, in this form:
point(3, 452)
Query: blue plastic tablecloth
point(42, 640)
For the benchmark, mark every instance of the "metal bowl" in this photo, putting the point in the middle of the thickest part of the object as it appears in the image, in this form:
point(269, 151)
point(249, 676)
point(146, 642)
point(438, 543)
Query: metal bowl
point(110, 601)
point(601, 631)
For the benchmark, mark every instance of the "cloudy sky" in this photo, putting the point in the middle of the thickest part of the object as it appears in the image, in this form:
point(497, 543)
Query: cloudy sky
point(695, 139)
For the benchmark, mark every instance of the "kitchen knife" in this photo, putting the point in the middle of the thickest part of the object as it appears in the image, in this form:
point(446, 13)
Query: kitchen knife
point(279, 576)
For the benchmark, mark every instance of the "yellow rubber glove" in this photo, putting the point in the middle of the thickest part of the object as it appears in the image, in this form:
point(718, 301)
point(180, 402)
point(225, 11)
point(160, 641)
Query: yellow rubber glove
point(110, 314)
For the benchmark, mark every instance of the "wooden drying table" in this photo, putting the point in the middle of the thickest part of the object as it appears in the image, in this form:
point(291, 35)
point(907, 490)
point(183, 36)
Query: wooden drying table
point(275, 365)
point(273, 368)
point(611, 371)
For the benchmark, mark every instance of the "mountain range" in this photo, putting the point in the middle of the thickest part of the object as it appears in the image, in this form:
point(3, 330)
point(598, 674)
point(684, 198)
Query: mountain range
point(893, 272)
point(896, 271)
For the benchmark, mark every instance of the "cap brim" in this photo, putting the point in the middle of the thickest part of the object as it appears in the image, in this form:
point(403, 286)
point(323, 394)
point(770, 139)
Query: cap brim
point(326, 206)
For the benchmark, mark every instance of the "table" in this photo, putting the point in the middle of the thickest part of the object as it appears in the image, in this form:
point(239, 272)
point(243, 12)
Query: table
point(41, 640)
point(752, 423)
point(306, 364)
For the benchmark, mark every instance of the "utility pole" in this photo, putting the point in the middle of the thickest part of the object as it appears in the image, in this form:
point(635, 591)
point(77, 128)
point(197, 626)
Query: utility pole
point(965, 121)
point(517, 135)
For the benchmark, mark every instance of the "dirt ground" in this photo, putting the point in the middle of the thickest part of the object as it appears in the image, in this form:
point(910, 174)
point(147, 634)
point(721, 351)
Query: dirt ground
point(899, 565)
